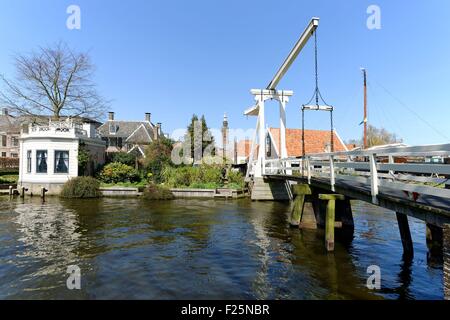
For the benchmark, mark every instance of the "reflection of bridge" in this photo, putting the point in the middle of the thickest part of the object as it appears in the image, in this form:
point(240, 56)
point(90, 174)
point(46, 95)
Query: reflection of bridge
point(397, 178)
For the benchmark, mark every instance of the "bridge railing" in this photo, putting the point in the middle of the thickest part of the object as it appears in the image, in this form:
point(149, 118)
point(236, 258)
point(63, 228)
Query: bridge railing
point(409, 169)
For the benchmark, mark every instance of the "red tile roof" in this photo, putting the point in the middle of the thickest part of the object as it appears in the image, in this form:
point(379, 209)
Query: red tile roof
point(316, 141)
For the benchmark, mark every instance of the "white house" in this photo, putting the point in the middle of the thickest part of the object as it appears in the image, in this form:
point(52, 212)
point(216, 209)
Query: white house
point(49, 153)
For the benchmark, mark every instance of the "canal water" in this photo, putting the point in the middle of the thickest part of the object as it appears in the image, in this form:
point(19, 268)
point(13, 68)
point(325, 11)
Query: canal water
point(201, 249)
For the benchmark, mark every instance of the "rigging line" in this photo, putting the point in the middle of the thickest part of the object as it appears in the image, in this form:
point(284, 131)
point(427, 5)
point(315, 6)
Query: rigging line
point(385, 113)
point(413, 112)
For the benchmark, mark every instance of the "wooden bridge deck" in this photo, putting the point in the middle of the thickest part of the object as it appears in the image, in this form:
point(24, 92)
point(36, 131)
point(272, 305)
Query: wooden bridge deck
point(432, 209)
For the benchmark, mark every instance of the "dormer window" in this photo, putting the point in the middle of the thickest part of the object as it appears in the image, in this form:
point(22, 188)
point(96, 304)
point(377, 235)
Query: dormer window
point(112, 128)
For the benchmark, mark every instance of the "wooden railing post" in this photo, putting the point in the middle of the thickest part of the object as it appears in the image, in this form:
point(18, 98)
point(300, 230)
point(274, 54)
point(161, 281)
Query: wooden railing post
point(308, 170)
point(332, 176)
point(391, 161)
point(373, 178)
point(263, 169)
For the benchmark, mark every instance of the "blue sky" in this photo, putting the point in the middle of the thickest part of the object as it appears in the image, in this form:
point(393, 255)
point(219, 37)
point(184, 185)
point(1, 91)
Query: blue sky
point(176, 58)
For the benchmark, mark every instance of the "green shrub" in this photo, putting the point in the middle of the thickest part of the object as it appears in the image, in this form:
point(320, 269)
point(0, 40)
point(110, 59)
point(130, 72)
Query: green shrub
point(125, 158)
point(83, 159)
point(115, 172)
point(192, 176)
point(236, 179)
point(81, 187)
point(157, 192)
point(157, 156)
point(210, 174)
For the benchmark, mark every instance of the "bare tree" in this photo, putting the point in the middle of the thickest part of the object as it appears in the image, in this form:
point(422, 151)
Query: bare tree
point(53, 81)
point(380, 136)
point(377, 137)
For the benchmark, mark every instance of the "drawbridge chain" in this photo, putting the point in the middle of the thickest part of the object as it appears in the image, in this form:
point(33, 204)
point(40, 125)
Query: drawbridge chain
point(317, 97)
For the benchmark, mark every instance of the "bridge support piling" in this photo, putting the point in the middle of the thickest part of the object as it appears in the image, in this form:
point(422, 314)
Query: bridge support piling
point(405, 234)
point(330, 218)
point(434, 242)
point(345, 215)
point(302, 214)
point(446, 251)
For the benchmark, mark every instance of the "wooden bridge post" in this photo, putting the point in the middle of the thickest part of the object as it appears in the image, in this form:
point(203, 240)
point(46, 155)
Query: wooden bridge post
point(299, 216)
point(405, 234)
point(330, 218)
point(434, 241)
point(446, 251)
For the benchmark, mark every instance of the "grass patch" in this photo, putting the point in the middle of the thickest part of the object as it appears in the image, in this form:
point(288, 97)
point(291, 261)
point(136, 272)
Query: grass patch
point(204, 185)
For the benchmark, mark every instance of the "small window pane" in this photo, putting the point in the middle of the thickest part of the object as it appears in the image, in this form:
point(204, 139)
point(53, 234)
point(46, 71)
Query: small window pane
point(41, 161)
point(61, 161)
point(29, 161)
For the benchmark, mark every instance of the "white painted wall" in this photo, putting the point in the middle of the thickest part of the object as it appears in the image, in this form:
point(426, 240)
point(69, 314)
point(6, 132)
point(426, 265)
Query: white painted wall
point(51, 145)
point(90, 129)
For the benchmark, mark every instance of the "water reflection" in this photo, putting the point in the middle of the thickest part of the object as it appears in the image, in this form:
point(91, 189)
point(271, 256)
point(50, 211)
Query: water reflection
point(48, 232)
point(184, 249)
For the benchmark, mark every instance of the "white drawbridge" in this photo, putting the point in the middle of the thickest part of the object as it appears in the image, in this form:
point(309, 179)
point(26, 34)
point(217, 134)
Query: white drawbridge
point(256, 166)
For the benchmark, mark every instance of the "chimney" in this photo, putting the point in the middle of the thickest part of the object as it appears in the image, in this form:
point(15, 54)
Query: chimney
point(111, 115)
point(4, 111)
point(157, 131)
point(148, 116)
point(158, 128)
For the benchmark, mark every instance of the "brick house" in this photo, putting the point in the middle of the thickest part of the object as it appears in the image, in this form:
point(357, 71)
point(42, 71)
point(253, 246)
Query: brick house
point(11, 126)
point(10, 133)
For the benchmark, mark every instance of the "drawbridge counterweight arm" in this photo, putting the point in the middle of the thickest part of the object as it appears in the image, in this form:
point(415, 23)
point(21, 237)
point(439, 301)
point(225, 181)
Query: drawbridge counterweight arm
point(309, 31)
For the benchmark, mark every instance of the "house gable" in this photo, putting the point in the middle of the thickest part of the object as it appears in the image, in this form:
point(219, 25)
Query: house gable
point(140, 136)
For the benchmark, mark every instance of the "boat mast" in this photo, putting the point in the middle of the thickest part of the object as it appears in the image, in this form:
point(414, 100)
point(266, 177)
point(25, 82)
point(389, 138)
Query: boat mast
point(365, 107)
